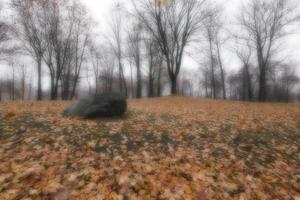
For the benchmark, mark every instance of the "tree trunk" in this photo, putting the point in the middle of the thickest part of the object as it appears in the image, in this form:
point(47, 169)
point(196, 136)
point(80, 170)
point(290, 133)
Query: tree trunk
point(120, 78)
point(131, 82)
point(138, 73)
point(262, 85)
point(125, 85)
point(151, 87)
point(39, 89)
point(122, 81)
point(244, 85)
point(139, 82)
point(150, 81)
point(223, 82)
point(52, 92)
point(54, 89)
point(30, 89)
point(23, 87)
point(66, 84)
point(213, 82)
point(206, 86)
point(212, 66)
point(74, 88)
point(159, 80)
point(262, 73)
point(249, 83)
point(173, 85)
point(159, 84)
point(222, 72)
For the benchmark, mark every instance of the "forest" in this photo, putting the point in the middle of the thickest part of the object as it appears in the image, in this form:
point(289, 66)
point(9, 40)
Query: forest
point(52, 49)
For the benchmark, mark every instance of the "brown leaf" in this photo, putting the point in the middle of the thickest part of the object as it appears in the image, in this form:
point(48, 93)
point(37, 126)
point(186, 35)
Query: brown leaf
point(201, 195)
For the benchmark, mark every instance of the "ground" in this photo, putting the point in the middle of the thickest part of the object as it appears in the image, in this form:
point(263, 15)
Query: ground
point(168, 148)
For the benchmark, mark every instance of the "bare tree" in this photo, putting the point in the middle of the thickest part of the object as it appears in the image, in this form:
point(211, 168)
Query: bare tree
point(265, 23)
point(116, 42)
point(205, 79)
point(135, 52)
point(5, 32)
point(107, 75)
point(3, 36)
point(103, 64)
point(150, 47)
point(155, 63)
point(12, 93)
point(88, 81)
point(160, 72)
point(213, 61)
point(185, 84)
point(95, 57)
point(132, 83)
point(58, 37)
point(244, 53)
point(108, 70)
point(29, 96)
point(218, 44)
point(214, 34)
point(81, 36)
point(234, 82)
point(283, 81)
point(288, 81)
point(29, 14)
point(173, 24)
point(65, 35)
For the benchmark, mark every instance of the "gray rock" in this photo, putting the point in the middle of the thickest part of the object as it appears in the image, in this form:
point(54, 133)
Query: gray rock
point(101, 105)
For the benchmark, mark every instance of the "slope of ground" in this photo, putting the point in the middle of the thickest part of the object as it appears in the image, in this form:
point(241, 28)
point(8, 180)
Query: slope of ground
point(168, 148)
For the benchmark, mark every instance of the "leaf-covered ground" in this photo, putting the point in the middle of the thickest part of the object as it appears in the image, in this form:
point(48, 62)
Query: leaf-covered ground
point(169, 148)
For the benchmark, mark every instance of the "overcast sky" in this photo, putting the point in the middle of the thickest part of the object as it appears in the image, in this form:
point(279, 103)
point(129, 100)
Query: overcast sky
point(101, 9)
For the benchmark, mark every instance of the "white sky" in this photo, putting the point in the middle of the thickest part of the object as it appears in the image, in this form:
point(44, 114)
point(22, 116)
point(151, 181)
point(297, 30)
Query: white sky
point(100, 11)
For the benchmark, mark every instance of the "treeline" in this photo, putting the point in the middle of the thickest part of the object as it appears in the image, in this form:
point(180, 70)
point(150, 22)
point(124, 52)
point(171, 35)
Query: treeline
point(53, 51)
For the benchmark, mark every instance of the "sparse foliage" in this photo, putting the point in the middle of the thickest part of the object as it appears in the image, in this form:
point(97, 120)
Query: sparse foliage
point(264, 24)
point(173, 24)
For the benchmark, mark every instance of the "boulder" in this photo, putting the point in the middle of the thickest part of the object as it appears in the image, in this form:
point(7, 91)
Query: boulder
point(101, 105)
